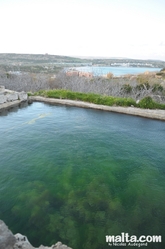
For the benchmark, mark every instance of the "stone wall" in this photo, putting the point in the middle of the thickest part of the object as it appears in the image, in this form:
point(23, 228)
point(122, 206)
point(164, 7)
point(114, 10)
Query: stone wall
point(19, 241)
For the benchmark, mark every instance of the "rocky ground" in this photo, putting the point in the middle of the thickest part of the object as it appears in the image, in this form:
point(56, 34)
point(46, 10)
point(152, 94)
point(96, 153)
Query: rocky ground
point(10, 96)
point(11, 99)
point(18, 241)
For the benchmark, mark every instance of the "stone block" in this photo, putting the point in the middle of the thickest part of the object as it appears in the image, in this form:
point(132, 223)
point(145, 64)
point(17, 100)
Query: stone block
point(12, 96)
point(22, 96)
point(2, 99)
point(2, 88)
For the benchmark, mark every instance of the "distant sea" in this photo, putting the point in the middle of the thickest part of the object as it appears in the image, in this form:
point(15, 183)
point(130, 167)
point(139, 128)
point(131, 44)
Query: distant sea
point(117, 71)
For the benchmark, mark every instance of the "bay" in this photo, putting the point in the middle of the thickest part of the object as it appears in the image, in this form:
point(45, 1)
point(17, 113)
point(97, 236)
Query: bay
point(117, 71)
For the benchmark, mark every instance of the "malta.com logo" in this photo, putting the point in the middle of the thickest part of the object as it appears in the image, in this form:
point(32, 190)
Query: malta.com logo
point(126, 240)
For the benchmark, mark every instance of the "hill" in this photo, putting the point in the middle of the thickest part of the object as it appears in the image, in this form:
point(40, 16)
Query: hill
point(47, 63)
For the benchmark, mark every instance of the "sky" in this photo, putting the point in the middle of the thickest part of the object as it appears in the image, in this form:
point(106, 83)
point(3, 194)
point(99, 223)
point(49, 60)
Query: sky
point(95, 28)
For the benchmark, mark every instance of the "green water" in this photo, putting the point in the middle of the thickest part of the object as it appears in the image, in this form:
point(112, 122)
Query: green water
point(76, 175)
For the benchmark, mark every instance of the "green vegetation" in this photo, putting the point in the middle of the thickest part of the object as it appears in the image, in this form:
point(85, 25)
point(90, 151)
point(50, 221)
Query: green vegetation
point(161, 73)
point(146, 86)
point(87, 97)
point(80, 214)
point(127, 88)
point(142, 86)
point(157, 88)
point(146, 102)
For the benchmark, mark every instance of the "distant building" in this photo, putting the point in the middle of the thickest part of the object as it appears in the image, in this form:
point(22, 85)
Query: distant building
point(85, 74)
point(72, 73)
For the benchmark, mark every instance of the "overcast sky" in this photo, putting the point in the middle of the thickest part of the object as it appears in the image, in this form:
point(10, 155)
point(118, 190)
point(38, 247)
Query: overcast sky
point(108, 28)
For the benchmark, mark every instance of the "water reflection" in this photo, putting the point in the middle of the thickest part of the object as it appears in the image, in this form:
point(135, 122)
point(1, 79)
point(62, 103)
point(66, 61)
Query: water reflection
point(6, 111)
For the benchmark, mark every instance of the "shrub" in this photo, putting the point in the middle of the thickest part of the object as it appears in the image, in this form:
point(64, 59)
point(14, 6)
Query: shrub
point(41, 93)
point(125, 102)
point(157, 88)
point(29, 94)
point(148, 103)
point(143, 86)
point(142, 78)
point(159, 73)
point(126, 88)
point(109, 75)
point(58, 94)
point(71, 95)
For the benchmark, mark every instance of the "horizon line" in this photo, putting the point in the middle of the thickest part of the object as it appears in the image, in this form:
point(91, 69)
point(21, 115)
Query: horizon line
point(85, 57)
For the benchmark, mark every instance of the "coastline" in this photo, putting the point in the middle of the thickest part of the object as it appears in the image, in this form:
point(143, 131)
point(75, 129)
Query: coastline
point(147, 113)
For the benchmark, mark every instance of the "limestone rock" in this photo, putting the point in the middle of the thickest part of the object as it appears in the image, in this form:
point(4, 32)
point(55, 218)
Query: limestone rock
point(22, 242)
point(58, 245)
point(19, 241)
point(7, 239)
point(12, 96)
point(2, 99)
point(22, 96)
point(2, 88)
point(8, 96)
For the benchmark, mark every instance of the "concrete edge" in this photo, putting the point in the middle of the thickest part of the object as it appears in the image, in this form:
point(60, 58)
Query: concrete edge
point(9, 105)
point(147, 113)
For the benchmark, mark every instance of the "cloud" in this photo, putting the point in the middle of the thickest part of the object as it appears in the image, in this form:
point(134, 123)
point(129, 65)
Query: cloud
point(93, 27)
